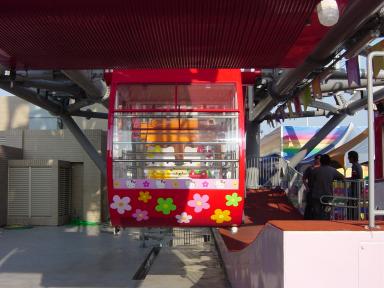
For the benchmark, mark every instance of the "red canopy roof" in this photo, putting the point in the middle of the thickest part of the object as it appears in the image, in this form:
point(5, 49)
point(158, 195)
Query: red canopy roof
point(75, 34)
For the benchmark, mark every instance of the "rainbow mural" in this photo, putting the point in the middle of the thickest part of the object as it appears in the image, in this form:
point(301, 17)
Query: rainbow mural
point(295, 137)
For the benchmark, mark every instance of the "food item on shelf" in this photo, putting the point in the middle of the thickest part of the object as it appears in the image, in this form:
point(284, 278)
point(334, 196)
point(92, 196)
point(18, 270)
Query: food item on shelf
point(198, 174)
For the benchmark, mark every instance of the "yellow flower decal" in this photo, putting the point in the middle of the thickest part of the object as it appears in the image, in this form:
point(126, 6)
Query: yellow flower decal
point(116, 184)
point(235, 184)
point(221, 216)
point(144, 196)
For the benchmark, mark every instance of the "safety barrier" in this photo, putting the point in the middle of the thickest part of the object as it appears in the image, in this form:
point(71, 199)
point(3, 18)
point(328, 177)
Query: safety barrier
point(349, 200)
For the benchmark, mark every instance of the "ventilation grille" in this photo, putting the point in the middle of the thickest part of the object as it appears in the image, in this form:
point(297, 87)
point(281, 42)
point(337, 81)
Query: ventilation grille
point(65, 191)
point(18, 192)
point(42, 192)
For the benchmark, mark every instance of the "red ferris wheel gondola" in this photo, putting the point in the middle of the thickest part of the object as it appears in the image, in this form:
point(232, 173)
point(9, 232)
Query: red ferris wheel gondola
point(176, 148)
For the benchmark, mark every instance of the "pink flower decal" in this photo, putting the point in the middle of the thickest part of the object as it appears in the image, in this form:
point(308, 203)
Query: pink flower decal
point(146, 184)
point(121, 204)
point(199, 202)
point(140, 215)
point(205, 184)
point(183, 218)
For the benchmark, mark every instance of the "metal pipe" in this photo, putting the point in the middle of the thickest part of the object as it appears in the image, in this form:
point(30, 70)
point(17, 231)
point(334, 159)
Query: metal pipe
point(96, 89)
point(354, 17)
point(85, 143)
point(305, 114)
point(362, 103)
point(63, 86)
point(333, 85)
point(371, 140)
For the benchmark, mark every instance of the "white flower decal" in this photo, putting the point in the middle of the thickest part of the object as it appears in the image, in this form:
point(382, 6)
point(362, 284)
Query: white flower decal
point(220, 184)
point(160, 184)
point(121, 204)
point(131, 183)
point(183, 218)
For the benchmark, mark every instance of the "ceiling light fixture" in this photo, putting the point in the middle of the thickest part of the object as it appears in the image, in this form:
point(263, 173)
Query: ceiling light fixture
point(328, 12)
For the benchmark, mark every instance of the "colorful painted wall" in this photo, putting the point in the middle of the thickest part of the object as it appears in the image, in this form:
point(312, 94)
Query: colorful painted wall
point(295, 137)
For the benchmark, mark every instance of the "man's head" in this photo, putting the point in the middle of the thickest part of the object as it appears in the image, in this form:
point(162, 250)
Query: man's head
point(316, 162)
point(325, 160)
point(353, 157)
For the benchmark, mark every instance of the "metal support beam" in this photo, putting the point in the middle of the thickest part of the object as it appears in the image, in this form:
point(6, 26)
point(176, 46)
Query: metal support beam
point(90, 114)
point(78, 105)
point(253, 139)
point(85, 143)
point(323, 106)
point(262, 108)
point(32, 97)
point(316, 139)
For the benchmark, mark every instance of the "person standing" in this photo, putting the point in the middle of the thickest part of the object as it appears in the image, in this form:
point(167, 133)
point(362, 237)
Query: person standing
point(308, 183)
point(322, 178)
point(356, 184)
point(357, 171)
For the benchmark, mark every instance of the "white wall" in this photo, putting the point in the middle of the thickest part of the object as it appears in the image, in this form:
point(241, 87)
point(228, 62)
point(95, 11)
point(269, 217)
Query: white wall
point(307, 259)
point(333, 259)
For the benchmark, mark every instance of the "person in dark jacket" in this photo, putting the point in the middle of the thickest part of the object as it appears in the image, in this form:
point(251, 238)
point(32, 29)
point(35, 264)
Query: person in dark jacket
point(356, 185)
point(307, 179)
point(322, 178)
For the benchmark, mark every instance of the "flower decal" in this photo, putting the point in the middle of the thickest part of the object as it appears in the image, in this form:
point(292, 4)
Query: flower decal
point(140, 215)
point(165, 205)
point(144, 196)
point(116, 184)
point(175, 184)
point(190, 184)
point(235, 184)
point(160, 184)
point(121, 204)
point(183, 218)
point(131, 183)
point(205, 184)
point(146, 184)
point(221, 216)
point(233, 200)
point(199, 202)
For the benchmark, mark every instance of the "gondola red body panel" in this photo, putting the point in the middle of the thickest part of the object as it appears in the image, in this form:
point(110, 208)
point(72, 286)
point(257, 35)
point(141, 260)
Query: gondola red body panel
point(176, 148)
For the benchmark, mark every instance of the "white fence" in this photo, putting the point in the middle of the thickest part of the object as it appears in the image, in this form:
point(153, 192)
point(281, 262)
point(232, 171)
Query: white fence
point(275, 172)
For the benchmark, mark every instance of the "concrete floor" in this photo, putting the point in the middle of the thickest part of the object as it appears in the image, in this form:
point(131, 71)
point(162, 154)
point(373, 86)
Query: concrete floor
point(87, 257)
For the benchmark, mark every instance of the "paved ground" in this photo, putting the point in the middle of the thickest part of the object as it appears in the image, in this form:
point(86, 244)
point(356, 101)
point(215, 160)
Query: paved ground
point(86, 257)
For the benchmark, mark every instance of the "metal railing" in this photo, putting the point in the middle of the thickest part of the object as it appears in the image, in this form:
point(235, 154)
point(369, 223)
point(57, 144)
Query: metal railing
point(171, 237)
point(273, 172)
point(349, 200)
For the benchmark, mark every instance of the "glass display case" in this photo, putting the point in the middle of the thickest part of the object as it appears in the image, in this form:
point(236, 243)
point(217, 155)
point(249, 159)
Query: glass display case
point(183, 141)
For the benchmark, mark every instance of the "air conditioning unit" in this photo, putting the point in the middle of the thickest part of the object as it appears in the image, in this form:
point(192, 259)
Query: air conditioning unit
point(39, 192)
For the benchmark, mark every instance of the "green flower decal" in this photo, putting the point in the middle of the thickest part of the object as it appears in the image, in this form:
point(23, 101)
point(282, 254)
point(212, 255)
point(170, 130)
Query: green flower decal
point(233, 200)
point(165, 205)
